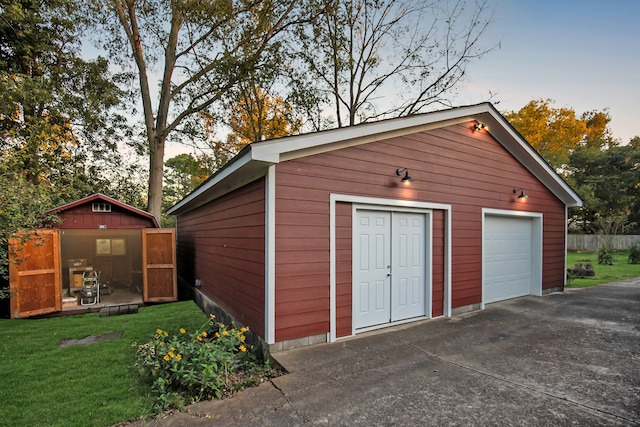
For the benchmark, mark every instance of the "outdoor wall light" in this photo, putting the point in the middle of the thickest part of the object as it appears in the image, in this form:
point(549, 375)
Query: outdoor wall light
point(521, 195)
point(406, 178)
point(479, 126)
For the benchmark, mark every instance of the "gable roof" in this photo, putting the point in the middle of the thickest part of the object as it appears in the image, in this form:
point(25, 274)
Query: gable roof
point(253, 161)
point(107, 199)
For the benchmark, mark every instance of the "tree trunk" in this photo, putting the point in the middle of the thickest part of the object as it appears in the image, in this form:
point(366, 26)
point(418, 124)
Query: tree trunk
point(156, 165)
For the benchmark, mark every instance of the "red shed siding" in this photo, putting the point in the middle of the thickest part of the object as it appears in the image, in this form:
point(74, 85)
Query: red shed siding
point(454, 165)
point(223, 245)
point(82, 217)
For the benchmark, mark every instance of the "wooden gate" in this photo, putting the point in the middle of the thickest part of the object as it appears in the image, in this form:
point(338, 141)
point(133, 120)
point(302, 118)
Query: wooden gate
point(159, 275)
point(34, 274)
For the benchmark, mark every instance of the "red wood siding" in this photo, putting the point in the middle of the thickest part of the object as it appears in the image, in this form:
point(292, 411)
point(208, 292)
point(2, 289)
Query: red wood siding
point(223, 245)
point(302, 264)
point(438, 261)
point(119, 218)
point(454, 165)
point(344, 270)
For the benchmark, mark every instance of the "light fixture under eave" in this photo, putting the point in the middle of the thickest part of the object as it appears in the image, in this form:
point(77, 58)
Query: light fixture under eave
point(406, 178)
point(479, 126)
point(521, 195)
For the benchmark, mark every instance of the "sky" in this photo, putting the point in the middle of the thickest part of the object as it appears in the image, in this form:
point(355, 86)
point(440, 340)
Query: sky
point(585, 55)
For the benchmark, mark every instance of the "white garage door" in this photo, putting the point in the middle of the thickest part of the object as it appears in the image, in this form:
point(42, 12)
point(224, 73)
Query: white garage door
point(508, 243)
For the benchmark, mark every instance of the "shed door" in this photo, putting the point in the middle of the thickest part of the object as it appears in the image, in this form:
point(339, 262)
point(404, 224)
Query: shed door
point(508, 257)
point(390, 249)
point(159, 277)
point(34, 274)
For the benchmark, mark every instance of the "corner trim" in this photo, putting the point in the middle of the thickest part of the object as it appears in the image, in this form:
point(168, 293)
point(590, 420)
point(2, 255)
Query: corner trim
point(270, 256)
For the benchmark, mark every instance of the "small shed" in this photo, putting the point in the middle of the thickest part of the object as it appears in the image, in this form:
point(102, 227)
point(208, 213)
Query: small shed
point(317, 237)
point(133, 259)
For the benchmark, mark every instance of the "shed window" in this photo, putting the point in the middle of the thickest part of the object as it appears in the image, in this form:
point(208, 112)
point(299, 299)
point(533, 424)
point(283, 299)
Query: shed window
point(101, 207)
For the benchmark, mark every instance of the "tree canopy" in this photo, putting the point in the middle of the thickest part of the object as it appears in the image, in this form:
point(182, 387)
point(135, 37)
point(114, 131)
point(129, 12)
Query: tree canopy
point(369, 59)
point(255, 116)
point(309, 56)
point(203, 49)
point(555, 132)
point(604, 172)
point(58, 123)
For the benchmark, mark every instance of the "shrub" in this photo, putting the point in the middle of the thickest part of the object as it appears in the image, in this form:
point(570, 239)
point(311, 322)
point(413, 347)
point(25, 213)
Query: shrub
point(580, 271)
point(634, 254)
point(605, 255)
point(208, 363)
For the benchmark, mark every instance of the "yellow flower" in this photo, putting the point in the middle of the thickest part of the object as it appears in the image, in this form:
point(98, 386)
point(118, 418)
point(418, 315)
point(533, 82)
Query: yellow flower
point(243, 329)
point(179, 357)
point(207, 345)
point(217, 335)
point(242, 338)
point(204, 333)
point(159, 331)
point(166, 358)
point(199, 338)
point(182, 331)
point(222, 325)
point(243, 348)
point(172, 349)
point(166, 334)
point(212, 316)
point(225, 333)
point(171, 355)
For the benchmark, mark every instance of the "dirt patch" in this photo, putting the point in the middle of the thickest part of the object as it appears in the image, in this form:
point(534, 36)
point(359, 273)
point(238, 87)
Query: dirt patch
point(91, 339)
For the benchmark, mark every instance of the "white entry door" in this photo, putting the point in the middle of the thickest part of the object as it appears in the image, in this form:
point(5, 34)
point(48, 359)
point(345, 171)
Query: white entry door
point(390, 262)
point(372, 297)
point(407, 266)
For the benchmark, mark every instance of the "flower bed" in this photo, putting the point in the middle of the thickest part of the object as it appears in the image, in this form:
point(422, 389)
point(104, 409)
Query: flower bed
point(188, 366)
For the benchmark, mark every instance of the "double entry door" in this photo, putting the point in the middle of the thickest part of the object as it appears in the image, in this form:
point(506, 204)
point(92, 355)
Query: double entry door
point(391, 263)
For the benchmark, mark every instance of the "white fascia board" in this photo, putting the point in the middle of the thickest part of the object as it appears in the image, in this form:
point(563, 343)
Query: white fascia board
point(215, 179)
point(502, 131)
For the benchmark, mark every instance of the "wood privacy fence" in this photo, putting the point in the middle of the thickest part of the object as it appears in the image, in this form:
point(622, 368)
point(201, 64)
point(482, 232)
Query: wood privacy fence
point(592, 242)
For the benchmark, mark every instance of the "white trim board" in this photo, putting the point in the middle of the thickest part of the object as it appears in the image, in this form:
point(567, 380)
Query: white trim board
point(383, 204)
point(536, 250)
point(270, 255)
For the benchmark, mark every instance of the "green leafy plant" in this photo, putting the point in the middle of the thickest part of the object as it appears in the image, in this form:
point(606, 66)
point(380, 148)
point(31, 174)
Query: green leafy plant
point(634, 254)
point(605, 255)
point(581, 270)
point(210, 362)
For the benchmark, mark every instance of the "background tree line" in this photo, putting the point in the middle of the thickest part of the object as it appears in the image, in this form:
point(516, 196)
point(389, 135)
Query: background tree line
point(92, 93)
point(605, 172)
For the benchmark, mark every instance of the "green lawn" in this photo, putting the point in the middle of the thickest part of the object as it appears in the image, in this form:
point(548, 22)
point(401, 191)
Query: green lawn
point(85, 385)
point(620, 270)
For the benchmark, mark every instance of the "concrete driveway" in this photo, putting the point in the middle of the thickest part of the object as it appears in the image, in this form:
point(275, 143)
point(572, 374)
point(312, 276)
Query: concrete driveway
point(570, 358)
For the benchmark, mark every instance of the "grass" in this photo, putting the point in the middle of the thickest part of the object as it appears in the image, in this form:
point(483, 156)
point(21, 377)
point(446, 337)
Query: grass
point(620, 270)
point(84, 385)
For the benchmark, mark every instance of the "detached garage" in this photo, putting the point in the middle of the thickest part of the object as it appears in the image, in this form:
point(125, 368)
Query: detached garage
point(316, 237)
